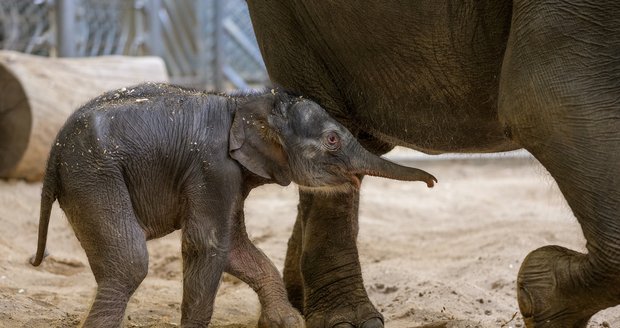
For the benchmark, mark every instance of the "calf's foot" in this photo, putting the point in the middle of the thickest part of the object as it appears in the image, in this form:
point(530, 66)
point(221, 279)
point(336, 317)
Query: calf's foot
point(281, 315)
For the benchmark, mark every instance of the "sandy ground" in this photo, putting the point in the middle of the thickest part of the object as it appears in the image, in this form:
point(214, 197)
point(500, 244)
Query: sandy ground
point(445, 257)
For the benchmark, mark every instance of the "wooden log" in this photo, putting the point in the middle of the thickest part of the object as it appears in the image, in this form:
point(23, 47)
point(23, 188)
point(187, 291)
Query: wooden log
point(37, 94)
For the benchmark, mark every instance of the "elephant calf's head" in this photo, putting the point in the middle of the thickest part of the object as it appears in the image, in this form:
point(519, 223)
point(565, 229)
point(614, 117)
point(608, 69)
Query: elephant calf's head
point(285, 138)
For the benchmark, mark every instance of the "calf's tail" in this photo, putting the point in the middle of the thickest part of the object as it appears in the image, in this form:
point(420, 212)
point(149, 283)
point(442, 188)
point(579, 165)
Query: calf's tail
point(48, 197)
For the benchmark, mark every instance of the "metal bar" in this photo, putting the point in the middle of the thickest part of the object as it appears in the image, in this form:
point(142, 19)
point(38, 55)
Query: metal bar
point(234, 78)
point(219, 45)
point(155, 39)
point(182, 30)
point(65, 31)
point(200, 36)
point(12, 33)
point(126, 30)
point(179, 66)
point(237, 34)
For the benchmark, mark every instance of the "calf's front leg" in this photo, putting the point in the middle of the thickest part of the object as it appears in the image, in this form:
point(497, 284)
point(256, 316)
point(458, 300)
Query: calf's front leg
point(249, 264)
point(204, 250)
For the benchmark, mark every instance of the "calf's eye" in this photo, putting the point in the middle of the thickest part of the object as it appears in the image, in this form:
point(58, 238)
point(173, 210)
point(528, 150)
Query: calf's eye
point(332, 141)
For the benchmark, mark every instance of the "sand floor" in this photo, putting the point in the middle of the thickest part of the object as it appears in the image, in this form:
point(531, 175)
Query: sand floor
point(442, 257)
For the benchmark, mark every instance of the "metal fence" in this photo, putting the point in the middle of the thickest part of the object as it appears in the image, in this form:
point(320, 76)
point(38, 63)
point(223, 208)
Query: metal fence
point(205, 43)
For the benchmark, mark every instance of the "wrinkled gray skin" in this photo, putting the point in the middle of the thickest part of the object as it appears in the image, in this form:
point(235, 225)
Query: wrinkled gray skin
point(138, 163)
point(459, 76)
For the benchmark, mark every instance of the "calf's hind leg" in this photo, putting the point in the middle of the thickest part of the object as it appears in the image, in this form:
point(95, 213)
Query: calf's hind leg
point(115, 245)
point(559, 100)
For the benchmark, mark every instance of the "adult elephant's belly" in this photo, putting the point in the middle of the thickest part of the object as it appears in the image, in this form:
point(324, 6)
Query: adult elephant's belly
point(423, 74)
point(432, 123)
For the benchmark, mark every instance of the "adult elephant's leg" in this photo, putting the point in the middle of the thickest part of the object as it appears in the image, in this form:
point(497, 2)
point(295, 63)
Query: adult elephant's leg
point(560, 100)
point(322, 266)
point(322, 257)
point(292, 268)
point(331, 273)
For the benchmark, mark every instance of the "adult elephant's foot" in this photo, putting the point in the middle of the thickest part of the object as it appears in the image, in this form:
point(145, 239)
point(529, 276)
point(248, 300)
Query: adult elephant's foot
point(336, 298)
point(556, 289)
point(359, 316)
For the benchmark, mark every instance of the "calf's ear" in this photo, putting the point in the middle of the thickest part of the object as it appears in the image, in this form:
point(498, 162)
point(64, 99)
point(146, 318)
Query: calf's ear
point(254, 141)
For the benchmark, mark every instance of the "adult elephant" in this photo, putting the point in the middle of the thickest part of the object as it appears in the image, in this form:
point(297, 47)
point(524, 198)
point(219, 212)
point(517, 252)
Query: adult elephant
point(459, 76)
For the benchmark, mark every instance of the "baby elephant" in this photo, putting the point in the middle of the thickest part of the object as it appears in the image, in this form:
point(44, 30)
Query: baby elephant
point(138, 163)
